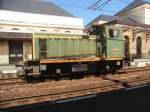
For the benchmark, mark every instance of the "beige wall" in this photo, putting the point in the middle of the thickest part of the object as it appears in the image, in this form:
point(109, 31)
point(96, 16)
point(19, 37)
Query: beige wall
point(4, 52)
point(27, 50)
point(147, 16)
point(137, 14)
point(41, 20)
point(132, 42)
point(140, 14)
point(31, 29)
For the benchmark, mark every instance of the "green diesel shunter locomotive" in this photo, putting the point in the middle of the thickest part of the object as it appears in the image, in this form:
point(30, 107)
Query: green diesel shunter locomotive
point(59, 54)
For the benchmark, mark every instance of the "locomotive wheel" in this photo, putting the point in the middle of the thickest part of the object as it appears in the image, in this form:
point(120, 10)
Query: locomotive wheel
point(114, 71)
point(58, 76)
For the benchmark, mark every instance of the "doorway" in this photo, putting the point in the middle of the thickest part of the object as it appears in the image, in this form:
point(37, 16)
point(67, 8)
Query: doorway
point(126, 46)
point(15, 51)
point(139, 47)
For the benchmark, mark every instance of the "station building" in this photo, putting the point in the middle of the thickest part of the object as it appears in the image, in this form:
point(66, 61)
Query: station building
point(135, 21)
point(21, 18)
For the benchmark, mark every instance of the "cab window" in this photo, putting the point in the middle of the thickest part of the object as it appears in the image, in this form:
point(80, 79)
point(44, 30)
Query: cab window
point(114, 33)
point(111, 34)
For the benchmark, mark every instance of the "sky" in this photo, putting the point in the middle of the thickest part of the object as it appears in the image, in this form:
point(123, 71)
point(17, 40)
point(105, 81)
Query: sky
point(80, 9)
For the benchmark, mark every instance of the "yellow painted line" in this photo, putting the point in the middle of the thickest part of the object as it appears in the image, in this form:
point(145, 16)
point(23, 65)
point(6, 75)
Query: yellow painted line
point(58, 37)
point(33, 46)
point(113, 59)
point(63, 36)
point(44, 61)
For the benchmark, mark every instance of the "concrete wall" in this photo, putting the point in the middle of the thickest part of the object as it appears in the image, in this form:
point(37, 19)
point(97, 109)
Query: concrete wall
point(132, 43)
point(31, 29)
point(4, 52)
point(35, 21)
point(147, 16)
point(137, 14)
point(27, 50)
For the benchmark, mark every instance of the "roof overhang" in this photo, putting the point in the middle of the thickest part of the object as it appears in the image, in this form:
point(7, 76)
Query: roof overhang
point(128, 23)
point(15, 35)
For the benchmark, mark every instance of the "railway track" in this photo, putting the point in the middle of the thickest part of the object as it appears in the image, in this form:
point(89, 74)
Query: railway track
point(106, 84)
point(135, 69)
point(11, 81)
point(16, 81)
point(57, 96)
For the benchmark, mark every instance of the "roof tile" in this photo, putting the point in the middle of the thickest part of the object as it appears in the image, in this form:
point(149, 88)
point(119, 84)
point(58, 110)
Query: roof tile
point(33, 6)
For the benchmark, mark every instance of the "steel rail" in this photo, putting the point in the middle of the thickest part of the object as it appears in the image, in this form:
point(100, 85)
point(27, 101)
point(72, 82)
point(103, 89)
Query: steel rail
point(11, 81)
point(58, 96)
point(135, 69)
point(72, 93)
point(14, 81)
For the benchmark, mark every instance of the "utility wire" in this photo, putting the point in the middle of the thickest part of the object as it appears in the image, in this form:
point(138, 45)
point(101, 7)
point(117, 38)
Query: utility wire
point(124, 1)
point(94, 6)
point(97, 5)
point(103, 5)
point(100, 9)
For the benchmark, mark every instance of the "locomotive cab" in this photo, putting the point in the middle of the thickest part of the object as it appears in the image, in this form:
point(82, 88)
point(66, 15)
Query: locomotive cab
point(112, 44)
point(111, 39)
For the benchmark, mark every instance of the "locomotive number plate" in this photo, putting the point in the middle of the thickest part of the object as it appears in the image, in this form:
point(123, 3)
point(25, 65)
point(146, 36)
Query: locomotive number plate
point(79, 68)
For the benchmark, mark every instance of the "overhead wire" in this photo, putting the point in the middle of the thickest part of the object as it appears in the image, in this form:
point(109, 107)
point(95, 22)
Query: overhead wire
point(124, 1)
point(93, 6)
point(97, 5)
point(99, 9)
point(103, 5)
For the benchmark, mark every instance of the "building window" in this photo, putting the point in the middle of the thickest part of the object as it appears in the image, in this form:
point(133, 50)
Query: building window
point(67, 32)
point(43, 30)
point(127, 46)
point(15, 29)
